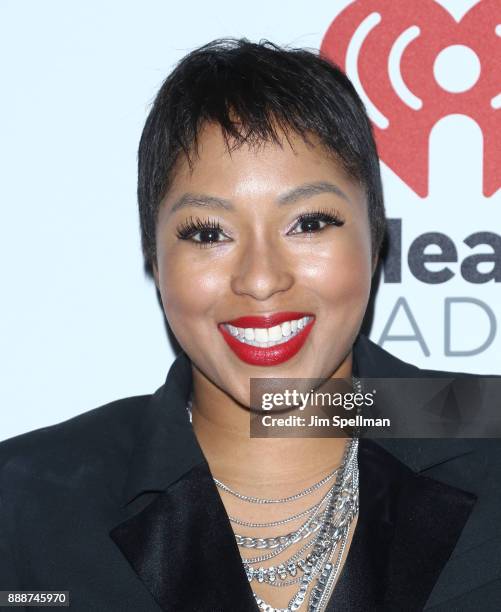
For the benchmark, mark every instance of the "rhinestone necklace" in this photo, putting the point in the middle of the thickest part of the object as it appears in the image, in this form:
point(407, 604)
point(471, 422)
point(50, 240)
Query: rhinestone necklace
point(327, 549)
point(328, 522)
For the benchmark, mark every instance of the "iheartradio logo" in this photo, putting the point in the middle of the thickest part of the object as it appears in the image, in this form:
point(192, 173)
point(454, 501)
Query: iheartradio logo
point(397, 55)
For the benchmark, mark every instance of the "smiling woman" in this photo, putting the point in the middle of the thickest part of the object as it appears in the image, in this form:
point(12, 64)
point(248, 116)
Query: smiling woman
point(262, 221)
point(296, 238)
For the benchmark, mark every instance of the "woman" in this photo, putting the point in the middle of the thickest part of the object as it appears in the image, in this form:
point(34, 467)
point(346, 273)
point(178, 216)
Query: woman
point(262, 220)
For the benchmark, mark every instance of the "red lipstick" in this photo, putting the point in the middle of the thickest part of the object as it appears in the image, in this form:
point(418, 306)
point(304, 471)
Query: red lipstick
point(272, 355)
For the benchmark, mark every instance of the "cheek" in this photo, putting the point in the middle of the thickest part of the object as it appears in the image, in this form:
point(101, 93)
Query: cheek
point(340, 272)
point(189, 288)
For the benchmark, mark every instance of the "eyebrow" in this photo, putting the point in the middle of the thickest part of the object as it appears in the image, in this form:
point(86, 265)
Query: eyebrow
point(311, 189)
point(201, 200)
point(302, 192)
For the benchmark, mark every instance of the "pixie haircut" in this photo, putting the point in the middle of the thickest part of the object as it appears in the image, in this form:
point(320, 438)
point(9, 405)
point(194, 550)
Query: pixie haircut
point(254, 91)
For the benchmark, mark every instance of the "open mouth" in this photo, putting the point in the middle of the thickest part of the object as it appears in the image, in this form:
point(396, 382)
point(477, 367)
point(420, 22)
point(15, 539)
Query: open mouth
point(267, 340)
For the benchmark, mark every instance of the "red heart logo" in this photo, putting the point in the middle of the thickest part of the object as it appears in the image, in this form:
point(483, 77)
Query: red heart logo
point(391, 49)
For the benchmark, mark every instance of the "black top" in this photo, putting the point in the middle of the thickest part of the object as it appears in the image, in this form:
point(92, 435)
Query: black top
point(118, 506)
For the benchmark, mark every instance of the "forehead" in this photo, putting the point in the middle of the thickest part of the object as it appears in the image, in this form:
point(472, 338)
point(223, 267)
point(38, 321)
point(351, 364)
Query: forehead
point(213, 150)
point(225, 168)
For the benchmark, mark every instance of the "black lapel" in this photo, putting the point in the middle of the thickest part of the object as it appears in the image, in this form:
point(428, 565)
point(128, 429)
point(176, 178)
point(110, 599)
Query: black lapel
point(183, 549)
point(174, 530)
point(408, 527)
point(181, 544)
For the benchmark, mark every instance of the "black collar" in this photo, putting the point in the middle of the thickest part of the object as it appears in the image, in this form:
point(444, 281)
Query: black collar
point(178, 539)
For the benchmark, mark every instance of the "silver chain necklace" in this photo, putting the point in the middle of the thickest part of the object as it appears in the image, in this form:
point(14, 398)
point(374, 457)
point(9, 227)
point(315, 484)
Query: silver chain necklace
point(258, 500)
point(328, 522)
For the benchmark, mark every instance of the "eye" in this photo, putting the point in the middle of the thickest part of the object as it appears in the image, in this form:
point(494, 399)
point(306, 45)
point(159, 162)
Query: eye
point(204, 233)
point(316, 221)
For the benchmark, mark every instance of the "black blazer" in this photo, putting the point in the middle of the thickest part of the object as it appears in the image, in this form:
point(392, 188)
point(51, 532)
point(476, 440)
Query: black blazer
point(118, 506)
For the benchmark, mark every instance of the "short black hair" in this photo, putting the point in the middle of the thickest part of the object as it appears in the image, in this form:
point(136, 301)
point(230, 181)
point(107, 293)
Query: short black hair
point(251, 90)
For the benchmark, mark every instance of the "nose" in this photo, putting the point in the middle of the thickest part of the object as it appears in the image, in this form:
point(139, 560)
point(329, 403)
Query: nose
point(261, 271)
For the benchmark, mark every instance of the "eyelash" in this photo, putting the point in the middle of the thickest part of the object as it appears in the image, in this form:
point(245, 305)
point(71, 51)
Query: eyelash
point(192, 226)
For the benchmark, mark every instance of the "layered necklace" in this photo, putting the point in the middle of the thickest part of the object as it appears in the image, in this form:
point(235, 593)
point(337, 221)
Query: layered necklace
point(324, 533)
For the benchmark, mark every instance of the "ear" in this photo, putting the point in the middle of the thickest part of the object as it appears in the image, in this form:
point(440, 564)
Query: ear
point(375, 261)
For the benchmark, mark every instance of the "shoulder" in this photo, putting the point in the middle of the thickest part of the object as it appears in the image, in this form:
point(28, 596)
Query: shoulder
point(94, 442)
point(467, 392)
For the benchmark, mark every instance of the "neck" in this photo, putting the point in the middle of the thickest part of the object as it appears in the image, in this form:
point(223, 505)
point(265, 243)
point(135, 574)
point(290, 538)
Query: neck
point(258, 466)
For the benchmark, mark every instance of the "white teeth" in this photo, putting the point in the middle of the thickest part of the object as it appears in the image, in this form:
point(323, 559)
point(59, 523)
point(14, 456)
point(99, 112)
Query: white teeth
point(265, 337)
point(261, 334)
point(275, 333)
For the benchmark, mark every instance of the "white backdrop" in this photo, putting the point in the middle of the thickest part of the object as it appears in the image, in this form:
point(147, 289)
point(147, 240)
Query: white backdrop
point(80, 324)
